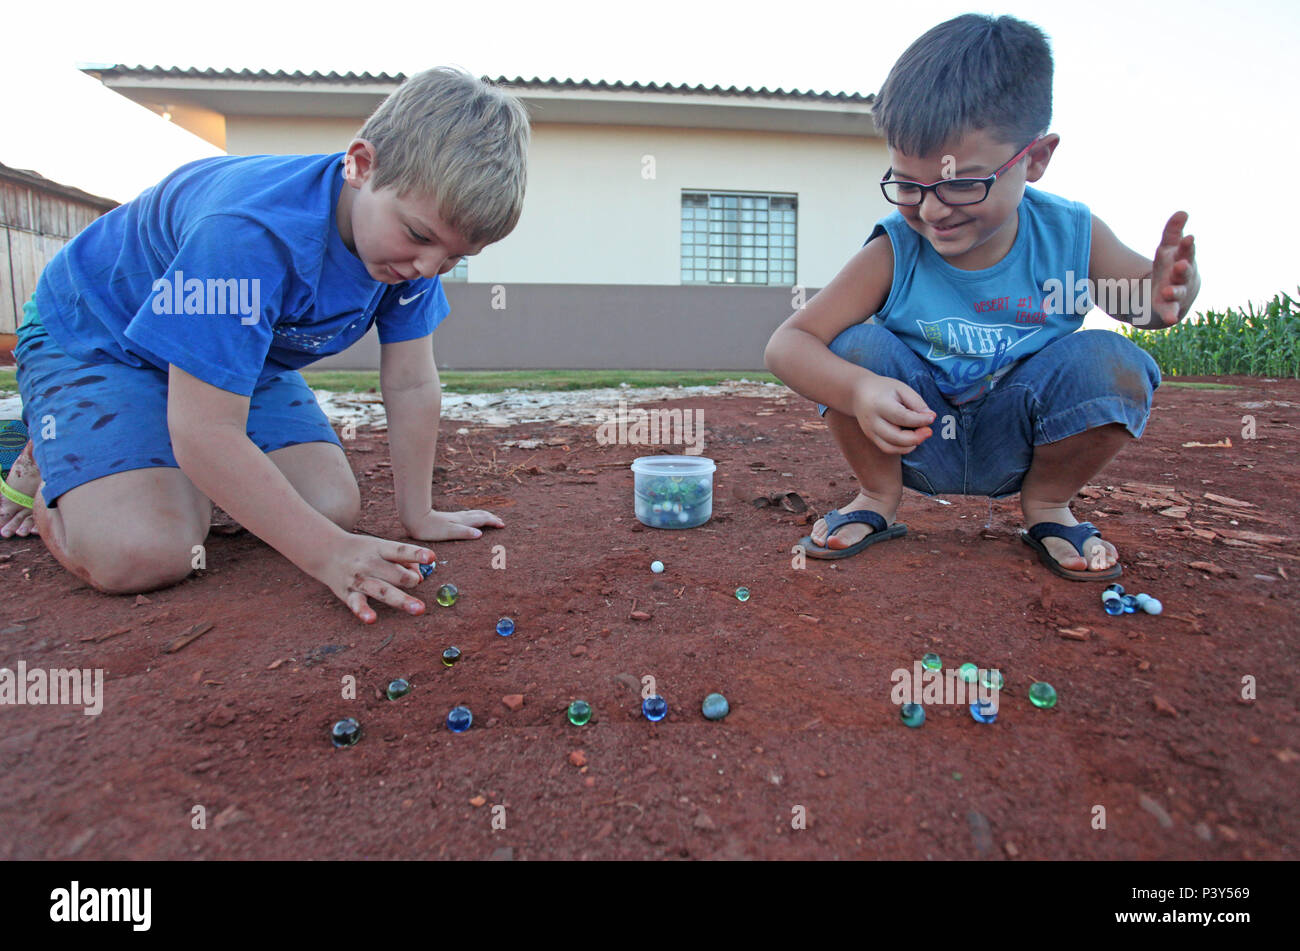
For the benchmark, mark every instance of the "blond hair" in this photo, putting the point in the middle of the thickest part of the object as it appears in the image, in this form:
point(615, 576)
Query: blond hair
point(459, 139)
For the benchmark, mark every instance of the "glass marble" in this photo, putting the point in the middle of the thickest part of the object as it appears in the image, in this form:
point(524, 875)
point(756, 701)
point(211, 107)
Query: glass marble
point(1114, 606)
point(346, 732)
point(673, 501)
point(426, 570)
point(715, 707)
point(657, 567)
point(913, 714)
point(983, 713)
point(450, 656)
point(1152, 606)
point(398, 688)
point(1042, 694)
point(1115, 588)
point(931, 662)
point(459, 719)
point(579, 712)
point(1129, 603)
point(969, 672)
point(742, 594)
point(992, 679)
point(447, 595)
point(506, 626)
point(655, 708)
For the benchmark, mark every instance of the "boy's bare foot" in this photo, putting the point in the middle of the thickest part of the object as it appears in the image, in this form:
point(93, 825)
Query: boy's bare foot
point(853, 533)
point(1098, 554)
point(24, 477)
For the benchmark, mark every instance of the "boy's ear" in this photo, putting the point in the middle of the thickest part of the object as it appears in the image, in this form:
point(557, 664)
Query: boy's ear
point(1040, 155)
point(358, 162)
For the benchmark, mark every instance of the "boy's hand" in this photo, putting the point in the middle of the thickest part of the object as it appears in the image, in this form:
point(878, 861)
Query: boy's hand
point(452, 526)
point(1174, 280)
point(361, 566)
point(892, 414)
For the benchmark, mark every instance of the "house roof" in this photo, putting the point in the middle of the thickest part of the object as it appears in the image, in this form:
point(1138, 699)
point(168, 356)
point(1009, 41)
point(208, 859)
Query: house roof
point(23, 176)
point(202, 99)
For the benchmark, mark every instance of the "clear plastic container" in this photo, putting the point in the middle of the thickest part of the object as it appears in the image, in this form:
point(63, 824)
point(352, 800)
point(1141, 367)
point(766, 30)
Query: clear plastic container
point(673, 491)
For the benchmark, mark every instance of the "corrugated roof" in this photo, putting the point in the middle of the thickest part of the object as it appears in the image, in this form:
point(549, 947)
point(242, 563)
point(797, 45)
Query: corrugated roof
point(32, 179)
point(265, 75)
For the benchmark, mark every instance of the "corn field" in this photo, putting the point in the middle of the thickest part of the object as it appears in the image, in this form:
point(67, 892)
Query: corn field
point(1220, 344)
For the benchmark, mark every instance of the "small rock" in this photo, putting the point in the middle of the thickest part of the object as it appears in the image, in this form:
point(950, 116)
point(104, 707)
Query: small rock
point(578, 758)
point(1287, 756)
point(1203, 832)
point(1228, 833)
point(478, 801)
point(809, 618)
point(639, 616)
point(702, 821)
point(141, 599)
point(628, 681)
point(229, 816)
point(980, 832)
point(1011, 850)
point(578, 651)
point(1206, 566)
point(223, 715)
point(822, 773)
point(513, 700)
point(1164, 706)
point(1157, 810)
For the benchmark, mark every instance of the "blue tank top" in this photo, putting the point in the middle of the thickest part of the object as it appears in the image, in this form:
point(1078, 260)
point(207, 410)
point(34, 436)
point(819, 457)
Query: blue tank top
point(971, 327)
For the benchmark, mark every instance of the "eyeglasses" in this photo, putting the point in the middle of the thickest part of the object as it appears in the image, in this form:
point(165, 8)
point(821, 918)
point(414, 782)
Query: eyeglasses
point(950, 191)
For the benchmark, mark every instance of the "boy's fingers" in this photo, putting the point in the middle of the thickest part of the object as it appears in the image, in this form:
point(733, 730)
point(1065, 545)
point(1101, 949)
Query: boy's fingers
point(356, 601)
point(392, 595)
point(1174, 228)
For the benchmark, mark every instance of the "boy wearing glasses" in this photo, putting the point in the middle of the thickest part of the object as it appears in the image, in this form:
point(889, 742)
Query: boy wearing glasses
point(977, 284)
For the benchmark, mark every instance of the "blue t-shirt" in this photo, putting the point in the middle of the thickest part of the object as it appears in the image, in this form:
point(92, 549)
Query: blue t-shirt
point(232, 269)
point(971, 327)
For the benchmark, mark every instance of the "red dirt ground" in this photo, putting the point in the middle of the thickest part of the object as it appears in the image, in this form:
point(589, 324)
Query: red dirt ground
point(237, 720)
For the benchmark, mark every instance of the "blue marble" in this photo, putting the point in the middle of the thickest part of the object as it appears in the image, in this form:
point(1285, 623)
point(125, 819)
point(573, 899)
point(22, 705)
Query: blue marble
point(459, 720)
point(983, 713)
point(913, 714)
point(505, 627)
point(715, 707)
point(657, 567)
point(1152, 606)
point(742, 594)
point(655, 708)
point(426, 570)
point(346, 732)
point(1116, 588)
point(1113, 606)
point(398, 688)
point(931, 662)
point(1129, 603)
point(450, 656)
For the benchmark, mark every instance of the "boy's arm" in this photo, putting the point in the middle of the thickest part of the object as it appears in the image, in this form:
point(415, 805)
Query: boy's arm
point(891, 413)
point(1169, 283)
point(412, 392)
point(208, 428)
point(798, 351)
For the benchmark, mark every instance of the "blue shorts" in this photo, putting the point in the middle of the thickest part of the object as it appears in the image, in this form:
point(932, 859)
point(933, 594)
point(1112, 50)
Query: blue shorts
point(1085, 380)
point(90, 420)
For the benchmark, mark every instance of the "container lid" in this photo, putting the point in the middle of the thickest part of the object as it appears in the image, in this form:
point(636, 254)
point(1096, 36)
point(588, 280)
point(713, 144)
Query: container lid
point(673, 465)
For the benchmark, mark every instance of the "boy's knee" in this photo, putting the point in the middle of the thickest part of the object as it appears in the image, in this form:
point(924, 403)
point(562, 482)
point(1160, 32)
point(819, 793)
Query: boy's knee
point(343, 509)
point(127, 568)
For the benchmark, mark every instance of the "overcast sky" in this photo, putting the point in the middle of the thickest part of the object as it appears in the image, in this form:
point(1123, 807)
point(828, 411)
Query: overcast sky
point(1161, 105)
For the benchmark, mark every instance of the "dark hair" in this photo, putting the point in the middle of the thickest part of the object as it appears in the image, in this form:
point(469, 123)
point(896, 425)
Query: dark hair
point(972, 72)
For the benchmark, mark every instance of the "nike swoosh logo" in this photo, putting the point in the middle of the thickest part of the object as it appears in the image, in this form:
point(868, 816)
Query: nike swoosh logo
point(407, 300)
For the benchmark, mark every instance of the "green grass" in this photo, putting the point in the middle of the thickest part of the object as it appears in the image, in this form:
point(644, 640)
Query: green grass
point(1248, 343)
point(1200, 386)
point(493, 381)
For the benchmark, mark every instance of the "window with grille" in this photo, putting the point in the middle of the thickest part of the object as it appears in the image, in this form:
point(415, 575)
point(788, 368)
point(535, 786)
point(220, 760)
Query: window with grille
point(738, 238)
point(459, 273)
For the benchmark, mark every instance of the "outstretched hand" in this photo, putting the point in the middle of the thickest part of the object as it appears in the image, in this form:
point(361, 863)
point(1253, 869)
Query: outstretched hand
point(1174, 279)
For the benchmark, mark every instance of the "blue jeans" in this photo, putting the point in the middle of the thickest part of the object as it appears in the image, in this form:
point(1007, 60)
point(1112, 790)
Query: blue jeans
point(1088, 379)
point(90, 420)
